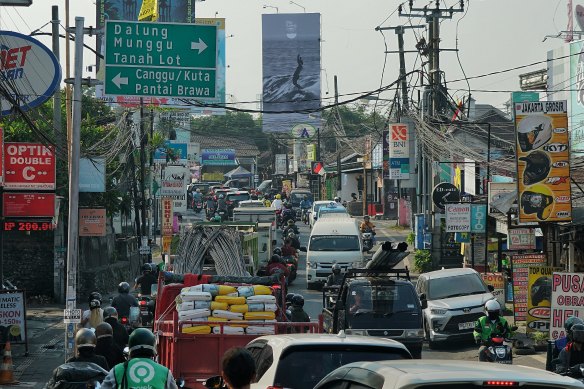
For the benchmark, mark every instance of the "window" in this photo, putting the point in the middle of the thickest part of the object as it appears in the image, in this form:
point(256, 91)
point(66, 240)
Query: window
point(238, 197)
point(334, 243)
point(262, 355)
point(466, 284)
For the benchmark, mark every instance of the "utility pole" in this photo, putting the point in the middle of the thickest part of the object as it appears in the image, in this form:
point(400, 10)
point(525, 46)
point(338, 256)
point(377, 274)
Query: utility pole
point(339, 187)
point(57, 96)
point(143, 141)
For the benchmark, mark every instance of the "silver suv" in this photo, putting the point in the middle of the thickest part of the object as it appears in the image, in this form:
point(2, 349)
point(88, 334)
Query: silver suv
point(455, 298)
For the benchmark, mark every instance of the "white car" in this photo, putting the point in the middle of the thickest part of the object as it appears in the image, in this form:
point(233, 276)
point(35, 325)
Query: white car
point(316, 207)
point(251, 204)
point(299, 361)
point(432, 374)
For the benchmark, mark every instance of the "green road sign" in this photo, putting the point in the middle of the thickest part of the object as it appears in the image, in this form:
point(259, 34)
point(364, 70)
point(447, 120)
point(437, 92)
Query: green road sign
point(160, 59)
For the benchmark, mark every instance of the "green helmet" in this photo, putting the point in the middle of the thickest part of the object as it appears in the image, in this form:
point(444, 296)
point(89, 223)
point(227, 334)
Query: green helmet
point(142, 338)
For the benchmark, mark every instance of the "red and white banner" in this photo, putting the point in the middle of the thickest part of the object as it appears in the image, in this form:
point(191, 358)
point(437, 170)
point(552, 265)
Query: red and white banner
point(567, 300)
point(29, 166)
point(1, 157)
point(167, 216)
point(28, 205)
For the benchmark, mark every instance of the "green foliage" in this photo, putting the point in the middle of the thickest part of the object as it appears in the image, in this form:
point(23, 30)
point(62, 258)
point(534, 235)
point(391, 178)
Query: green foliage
point(236, 124)
point(422, 261)
point(411, 239)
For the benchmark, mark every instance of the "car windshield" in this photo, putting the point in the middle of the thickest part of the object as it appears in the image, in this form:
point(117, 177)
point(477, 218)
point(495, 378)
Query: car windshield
point(238, 197)
point(334, 243)
point(388, 299)
point(462, 285)
point(304, 366)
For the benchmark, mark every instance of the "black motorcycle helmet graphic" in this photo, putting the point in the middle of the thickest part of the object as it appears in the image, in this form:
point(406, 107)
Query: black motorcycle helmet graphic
point(533, 132)
point(541, 290)
point(536, 201)
point(537, 167)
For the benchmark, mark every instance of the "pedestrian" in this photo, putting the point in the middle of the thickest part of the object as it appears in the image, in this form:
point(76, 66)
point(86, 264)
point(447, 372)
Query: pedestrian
point(106, 347)
point(238, 368)
point(85, 342)
point(110, 316)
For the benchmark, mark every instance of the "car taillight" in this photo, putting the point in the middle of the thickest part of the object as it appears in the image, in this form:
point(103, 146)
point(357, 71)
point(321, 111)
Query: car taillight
point(124, 320)
point(143, 302)
point(501, 383)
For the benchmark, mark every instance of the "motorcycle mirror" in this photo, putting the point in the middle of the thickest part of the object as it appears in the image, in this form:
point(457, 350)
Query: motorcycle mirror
point(215, 382)
point(491, 288)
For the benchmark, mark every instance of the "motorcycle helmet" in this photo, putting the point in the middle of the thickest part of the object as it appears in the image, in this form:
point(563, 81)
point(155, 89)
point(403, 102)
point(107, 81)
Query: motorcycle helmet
point(124, 287)
point(278, 196)
point(94, 304)
point(94, 296)
point(366, 218)
point(298, 300)
point(493, 309)
point(541, 290)
point(275, 258)
point(85, 338)
point(336, 268)
point(289, 297)
point(533, 132)
point(146, 268)
point(537, 167)
point(292, 235)
point(110, 312)
point(103, 330)
point(569, 323)
point(578, 333)
point(290, 222)
point(337, 199)
point(536, 202)
point(278, 251)
point(142, 339)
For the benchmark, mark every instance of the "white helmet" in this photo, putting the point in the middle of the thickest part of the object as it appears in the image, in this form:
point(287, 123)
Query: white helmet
point(533, 132)
point(492, 306)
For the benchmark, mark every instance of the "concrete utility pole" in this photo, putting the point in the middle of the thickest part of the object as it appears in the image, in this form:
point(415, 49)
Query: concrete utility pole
point(57, 96)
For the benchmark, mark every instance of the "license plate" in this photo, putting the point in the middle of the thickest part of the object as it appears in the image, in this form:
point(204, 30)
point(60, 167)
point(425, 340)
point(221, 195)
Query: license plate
point(466, 326)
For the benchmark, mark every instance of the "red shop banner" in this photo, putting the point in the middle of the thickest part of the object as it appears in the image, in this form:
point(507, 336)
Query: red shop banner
point(28, 205)
point(29, 166)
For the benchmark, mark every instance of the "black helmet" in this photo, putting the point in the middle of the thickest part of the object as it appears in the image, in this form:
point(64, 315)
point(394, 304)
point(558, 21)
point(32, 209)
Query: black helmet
point(536, 202)
point(146, 267)
point(85, 338)
point(110, 312)
point(94, 304)
point(336, 268)
point(275, 258)
point(569, 323)
point(103, 330)
point(94, 296)
point(140, 339)
point(537, 167)
point(289, 297)
point(578, 333)
point(298, 300)
point(541, 290)
point(124, 287)
point(277, 251)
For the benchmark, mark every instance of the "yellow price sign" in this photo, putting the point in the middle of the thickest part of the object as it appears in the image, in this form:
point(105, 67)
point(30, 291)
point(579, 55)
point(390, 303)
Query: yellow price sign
point(148, 11)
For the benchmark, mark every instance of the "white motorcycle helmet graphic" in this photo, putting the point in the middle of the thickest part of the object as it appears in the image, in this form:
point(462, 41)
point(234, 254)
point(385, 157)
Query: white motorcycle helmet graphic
point(533, 132)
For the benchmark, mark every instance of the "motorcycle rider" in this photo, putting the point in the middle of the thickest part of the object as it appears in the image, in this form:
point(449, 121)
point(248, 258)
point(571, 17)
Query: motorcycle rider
point(110, 316)
point(336, 278)
point(124, 300)
point(294, 239)
point(222, 204)
point(197, 197)
point(238, 368)
point(106, 346)
point(276, 265)
point(93, 316)
point(146, 280)
point(337, 199)
point(290, 227)
point(277, 203)
point(288, 213)
point(85, 342)
point(288, 250)
point(210, 206)
point(367, 226)
point(142, 351)
point(492, 323)
point(563, 342)
point(305, 203)
point(297, 313)
point(572, 355)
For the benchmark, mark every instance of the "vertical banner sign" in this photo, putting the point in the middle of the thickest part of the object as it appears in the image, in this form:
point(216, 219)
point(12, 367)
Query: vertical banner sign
point(521, 239)
point(1, 156)
point(148, 11)
point(458, 217)
point(167, 216)
point(175, 181)
point(567, 297)
point(399, 151)
point(478, 218)
point(280, 164)
point(386, 154)
point(12, 317)
point(291, 70)
point(497, 280)
point(166, 243)
point(539, 298)
point(520, 264)
point(543, 161)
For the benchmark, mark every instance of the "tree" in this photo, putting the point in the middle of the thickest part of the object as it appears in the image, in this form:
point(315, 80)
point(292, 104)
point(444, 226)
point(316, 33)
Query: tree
point(235, 124)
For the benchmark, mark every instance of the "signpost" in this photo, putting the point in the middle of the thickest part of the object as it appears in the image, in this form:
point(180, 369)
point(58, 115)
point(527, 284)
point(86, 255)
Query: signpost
point(160, 59)
point(72, 316)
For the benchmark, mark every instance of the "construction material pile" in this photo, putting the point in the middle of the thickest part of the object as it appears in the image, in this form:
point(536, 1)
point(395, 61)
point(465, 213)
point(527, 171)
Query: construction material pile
point(221, 245)
point(386, 256)
point(240, 309)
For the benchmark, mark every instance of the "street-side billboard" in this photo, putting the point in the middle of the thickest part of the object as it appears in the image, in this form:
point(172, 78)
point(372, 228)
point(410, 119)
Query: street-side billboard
point(498, 193)
point(172, 152)
point(291, 71)
point(399, 151)
point(218, 157)
point(28, 205)
point(92, 175)
point(92, 222)
point(280, 164)
point(539, 298)
point(458, 217)
point(567, 297)
point(520, 266)
point(543, 161)
point(29, 166)
point(497, 280)
point(175, 179)
point(167, 216)
point(521, 239)
point(12, 317)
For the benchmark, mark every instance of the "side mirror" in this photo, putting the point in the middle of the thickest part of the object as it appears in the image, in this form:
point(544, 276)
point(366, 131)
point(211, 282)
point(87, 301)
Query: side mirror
point(491, 288)
point(303, 249)
point(423, 297)
point(215, 382)
point(424, 303)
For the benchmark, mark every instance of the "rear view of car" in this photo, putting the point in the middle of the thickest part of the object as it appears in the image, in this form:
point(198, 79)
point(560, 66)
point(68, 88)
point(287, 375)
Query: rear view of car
point(232, 199)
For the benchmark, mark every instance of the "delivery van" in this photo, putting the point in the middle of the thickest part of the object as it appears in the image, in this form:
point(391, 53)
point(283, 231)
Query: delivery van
point(332, 240)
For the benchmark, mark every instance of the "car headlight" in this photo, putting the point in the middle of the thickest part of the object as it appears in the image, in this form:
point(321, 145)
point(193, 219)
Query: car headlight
point(312, 265)
point(414, 333)
point(438, 311)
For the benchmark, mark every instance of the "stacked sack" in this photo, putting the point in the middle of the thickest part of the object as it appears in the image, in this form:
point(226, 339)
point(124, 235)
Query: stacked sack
point(223, 304)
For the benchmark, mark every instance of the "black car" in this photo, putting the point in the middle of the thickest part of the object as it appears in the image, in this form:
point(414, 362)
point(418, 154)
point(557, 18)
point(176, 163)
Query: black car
point(233, 198)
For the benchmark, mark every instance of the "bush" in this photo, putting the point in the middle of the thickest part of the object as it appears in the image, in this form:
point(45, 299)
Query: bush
point(411, 239)
point(423, 261)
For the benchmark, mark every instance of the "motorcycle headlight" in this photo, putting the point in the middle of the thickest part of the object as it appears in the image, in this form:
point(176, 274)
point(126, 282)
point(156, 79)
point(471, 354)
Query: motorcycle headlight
point(438, 311)
point(414, 333)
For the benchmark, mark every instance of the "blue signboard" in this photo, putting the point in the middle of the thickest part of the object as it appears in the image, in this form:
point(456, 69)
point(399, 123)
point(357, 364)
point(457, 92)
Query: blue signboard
point(171, 153)
point(218, 157)
point(423, 237)
point(92, 175)
point(478, 218)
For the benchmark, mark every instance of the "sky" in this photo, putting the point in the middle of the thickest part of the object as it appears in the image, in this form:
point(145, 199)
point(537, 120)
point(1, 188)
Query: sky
point(493, 35)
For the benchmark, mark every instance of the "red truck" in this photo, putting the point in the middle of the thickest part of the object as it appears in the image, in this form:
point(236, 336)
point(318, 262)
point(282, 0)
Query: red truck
point(197, 357)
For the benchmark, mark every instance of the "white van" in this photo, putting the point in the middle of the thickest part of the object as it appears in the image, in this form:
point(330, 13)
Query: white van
point(332, 240)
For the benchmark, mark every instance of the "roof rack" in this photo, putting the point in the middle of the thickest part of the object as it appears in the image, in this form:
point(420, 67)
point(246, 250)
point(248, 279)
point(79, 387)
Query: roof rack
point(397, 273)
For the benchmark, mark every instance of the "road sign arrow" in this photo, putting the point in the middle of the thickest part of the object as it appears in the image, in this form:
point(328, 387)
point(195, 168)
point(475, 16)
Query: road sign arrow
point(118, 80)
point(200, 45)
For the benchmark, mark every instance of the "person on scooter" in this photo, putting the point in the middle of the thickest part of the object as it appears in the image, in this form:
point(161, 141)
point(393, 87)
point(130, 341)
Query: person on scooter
point(197, 197)
point(367, 226)
point(277, 203)
point(106, 346)
point(142, 352)
point(110, 316)
point(291, 227)
point(146, 280)
point(85, 342)
point(297, 313)
point(276, 265)
point(563, 342)
point(294, 239)
point(124, 300)
point(288, 214)
point(288, 250)
point(573, 354)
point(210, 206)
point(222, 207)
point(93, 316)
point(492, 323)
point(336, 278)
point(337, 199)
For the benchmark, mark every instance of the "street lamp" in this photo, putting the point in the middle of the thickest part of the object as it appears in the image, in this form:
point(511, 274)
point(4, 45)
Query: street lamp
point(291, 2)
point(271, 6)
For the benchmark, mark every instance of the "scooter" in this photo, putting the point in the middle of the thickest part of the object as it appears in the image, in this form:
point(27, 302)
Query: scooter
point(305, 218)
point(292, 265)
point(499, 350)
point(146, 310)
point(198, 206)
point(367, 241)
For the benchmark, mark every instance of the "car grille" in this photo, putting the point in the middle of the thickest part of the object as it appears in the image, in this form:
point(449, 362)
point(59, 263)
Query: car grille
point(390, 333)
point(452, 325)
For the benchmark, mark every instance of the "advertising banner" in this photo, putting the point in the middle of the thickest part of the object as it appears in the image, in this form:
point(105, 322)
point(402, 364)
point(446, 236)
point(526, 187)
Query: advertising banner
point(539, 298)
point(218, 157)
point(280, 164)
point(385, 154)
point(286, 186)
point(521, 239)
point(543, 161)
point(399, 151)
point(478, 218)
point(92, 175)
point(497, 280)
point(12, 317)
point(167, 216)
point(520, 265)
point(92, 222)
point(458, 218)
point(29, 166)
point(194, 150)
point(28, 205)
point(166, 242)
point(177, 179)
point(576, 87)
point(567, 298)
point(174, 188)
point(291, 69)
point(499, 191)
point(171, 152)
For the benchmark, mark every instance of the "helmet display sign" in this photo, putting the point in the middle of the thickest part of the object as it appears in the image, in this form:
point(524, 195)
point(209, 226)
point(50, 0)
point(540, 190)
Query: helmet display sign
point(543, 161)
